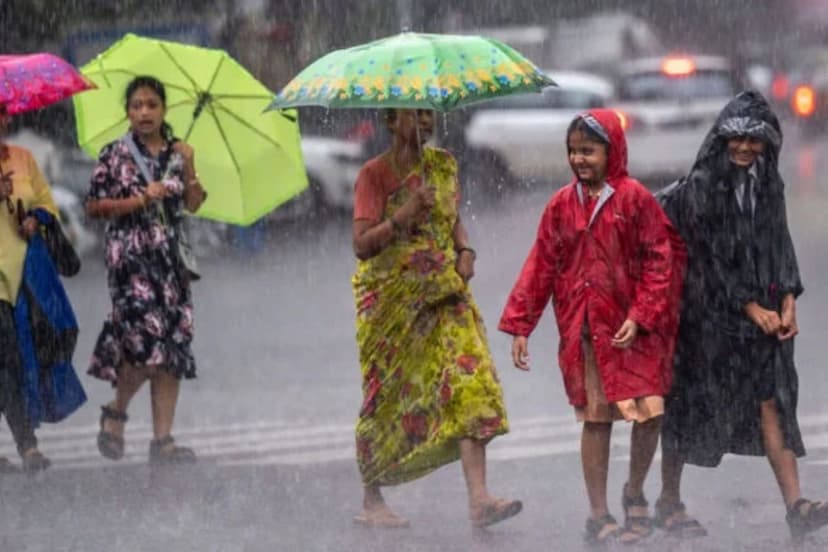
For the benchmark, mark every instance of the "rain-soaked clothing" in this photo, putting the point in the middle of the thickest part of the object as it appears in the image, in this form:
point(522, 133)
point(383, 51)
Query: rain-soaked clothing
point(151, 322)
point(31, 188)
point(428, 379)
point(12, 403)
point(32, 191)
point(734, 224)
point(622, 260)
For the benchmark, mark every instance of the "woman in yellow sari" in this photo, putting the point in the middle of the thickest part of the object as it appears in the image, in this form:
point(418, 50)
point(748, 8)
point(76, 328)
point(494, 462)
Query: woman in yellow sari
point(430, 390)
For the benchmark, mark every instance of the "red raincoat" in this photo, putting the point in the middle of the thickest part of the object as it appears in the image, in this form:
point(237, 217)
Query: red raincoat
point(628, 262)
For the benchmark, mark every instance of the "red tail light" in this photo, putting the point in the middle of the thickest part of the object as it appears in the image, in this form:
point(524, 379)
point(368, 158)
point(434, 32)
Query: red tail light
point(780, 87)
point(678, 66)
point(803, 101)
point(626, 122)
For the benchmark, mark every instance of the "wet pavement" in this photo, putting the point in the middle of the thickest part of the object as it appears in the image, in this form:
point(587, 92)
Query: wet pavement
point(272, 413)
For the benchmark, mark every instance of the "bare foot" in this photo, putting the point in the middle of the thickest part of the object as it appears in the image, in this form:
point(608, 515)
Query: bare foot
point(493, 510)
point(381, 516)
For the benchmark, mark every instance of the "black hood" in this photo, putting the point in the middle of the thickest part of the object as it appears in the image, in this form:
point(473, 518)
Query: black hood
point(748, 114)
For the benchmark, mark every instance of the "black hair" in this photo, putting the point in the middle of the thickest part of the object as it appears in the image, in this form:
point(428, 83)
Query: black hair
point(578, 124)
point(147, 81)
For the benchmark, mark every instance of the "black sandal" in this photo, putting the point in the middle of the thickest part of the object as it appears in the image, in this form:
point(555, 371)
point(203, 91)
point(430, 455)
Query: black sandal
point(160, 452)
point(599, 534)
point(640, 525)
point(111, 445)
point(802, 521)
point(687, 528)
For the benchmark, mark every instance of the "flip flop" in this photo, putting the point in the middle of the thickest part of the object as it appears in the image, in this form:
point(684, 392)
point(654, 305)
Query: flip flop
point(496, 511)
point(386, 520)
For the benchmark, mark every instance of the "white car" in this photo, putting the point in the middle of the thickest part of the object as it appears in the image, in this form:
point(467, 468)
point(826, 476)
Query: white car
point(667, 106)
point(527, 133)
point(332, 165)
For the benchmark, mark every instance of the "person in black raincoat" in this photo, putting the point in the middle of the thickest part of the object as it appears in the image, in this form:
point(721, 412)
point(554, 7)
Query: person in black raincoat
point(735, 385)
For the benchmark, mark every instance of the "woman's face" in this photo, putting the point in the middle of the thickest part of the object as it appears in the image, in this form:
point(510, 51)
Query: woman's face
point(743, 150)
point(146, 111)
point(407, 123)
point(587, 157)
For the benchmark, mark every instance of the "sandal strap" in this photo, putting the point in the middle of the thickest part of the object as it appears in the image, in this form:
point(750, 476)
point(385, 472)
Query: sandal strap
point(634, 501)
point(594, 528)
point(112, 414)
point(641, 521)
point(669, 509)
point(162, 442)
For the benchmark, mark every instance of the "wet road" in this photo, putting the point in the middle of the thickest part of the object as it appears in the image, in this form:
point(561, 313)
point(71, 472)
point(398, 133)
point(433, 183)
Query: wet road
point(278, 390)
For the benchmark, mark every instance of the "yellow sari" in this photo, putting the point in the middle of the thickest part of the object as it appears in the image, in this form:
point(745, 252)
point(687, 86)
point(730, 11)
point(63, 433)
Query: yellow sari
point(428, 377)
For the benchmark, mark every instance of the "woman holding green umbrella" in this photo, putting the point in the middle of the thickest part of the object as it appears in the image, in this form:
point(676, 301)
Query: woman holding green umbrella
point(148, 334)
point(431, 393)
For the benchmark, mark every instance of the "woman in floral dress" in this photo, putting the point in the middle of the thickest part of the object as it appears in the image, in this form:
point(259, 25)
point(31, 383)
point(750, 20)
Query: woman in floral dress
point(430, 390)
point(147, 335)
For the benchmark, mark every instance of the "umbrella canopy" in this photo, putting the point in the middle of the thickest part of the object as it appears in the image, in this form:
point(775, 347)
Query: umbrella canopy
point(414, 70)
point(33, 81)
point(249, 162)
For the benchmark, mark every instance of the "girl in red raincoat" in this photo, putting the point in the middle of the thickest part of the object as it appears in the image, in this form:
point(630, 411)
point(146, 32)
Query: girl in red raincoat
point(608, 258)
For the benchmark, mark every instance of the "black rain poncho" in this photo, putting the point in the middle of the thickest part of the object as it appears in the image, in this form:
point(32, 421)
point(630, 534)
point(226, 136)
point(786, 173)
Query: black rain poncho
point(725, 366)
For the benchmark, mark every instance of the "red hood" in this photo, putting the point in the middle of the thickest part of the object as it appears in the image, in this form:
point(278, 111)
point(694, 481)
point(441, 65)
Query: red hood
point(617, 162)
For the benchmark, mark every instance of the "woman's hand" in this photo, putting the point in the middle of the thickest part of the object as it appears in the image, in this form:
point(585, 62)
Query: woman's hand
point(28, 228)
point(465, 264)
point(155, 191)
point(767, 320)
point(520, 352)
point(6, 186)
point(420, 203)
point(194, 195)
point(625, 336)
point(788, 326)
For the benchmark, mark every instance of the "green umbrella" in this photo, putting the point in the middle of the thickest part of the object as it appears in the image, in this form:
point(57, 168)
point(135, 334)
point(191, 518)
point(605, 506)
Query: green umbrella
point(414, 70)
point(248, 162)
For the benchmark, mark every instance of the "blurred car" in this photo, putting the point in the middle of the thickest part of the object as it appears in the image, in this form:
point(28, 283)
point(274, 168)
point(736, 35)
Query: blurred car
point(667, 105)
point(806, 89)
point(332, 165)
point(525, 135)
point(72, 219)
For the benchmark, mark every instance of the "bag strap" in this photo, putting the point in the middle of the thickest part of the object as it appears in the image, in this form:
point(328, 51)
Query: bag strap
point(137, 157)
point(142, 166)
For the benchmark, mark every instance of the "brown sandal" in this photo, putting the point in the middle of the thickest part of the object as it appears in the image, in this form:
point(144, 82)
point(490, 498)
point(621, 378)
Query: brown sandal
point(805, 516)
point(665, 518)
point(495, 511)
point(111, 445)
point(640, 525)
point(605, 531)
point(165, 451)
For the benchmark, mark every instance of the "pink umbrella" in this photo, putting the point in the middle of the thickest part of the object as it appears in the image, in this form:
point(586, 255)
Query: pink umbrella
point(34, 81)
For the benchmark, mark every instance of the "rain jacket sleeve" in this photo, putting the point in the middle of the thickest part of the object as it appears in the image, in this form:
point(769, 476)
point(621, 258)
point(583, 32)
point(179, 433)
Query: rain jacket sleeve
point(654, 293)
point(533, 289)
point(789, 280)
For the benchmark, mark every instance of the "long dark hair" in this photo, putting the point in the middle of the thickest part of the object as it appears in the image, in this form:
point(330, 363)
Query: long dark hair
point(147, 81)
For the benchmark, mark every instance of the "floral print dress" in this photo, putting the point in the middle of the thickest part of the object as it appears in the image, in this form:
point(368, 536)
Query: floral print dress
point(428, 377)
point(151, 322)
